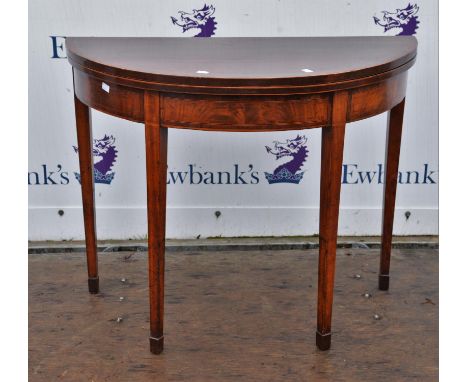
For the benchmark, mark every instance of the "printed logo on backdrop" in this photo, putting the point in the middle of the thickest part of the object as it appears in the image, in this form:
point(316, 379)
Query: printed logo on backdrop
point(293, 153)
point(201, 21)
point(58, 47)
point(401, 22)
point(105, 155)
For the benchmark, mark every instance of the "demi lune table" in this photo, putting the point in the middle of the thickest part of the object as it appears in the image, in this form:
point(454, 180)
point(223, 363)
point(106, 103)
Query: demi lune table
point(241, 84)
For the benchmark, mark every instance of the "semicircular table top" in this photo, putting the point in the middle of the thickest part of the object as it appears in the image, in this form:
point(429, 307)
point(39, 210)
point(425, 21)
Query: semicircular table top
point(237, 62)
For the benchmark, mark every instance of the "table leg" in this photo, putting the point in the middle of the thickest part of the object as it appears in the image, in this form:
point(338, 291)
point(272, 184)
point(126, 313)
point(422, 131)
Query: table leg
point(330, 184)
point(85, 153)
point(392, 155)
point(156, 174)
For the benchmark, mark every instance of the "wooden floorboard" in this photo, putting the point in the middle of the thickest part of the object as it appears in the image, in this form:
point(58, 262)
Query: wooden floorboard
point(234, 316)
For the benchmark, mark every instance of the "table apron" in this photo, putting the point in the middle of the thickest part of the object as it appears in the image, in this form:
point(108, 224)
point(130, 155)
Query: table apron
point(239, 112)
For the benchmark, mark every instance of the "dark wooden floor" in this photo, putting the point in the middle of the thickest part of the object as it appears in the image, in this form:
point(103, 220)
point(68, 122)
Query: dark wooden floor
point(245, 316)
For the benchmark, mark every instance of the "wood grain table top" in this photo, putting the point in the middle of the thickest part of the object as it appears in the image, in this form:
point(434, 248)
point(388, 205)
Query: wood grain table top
point(238, 61)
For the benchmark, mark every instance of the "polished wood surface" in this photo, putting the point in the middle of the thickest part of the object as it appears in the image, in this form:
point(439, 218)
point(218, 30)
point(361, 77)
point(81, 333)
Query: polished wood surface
point(392, 156)
point(120, 101)
point(242, 112)
point(241, 65)
point(330, 184)
point(252, 61)
point(242, 84)
point(85, 145)
point(156, 168)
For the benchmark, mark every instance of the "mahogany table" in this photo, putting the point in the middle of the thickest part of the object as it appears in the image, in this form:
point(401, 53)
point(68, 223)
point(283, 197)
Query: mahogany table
point(241, 84)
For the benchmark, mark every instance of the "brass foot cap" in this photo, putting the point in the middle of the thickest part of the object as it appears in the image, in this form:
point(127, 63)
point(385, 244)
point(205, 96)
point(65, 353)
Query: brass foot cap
point(93, 285)
point(384, 282)
point(156, 344)
point(323, 341)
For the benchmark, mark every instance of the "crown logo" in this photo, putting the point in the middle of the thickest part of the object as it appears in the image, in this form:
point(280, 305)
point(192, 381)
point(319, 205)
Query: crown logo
point(284, 176)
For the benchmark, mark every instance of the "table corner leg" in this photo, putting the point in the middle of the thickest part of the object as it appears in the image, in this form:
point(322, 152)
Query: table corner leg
point(85, 154)
point(392, 155)
point(156, 175)
point(330, 186)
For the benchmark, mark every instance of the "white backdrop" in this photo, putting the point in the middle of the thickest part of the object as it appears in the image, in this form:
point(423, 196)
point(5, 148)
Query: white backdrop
point(256, 208)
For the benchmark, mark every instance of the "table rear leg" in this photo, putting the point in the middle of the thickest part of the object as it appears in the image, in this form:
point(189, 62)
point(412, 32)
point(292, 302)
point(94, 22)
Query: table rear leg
point(330, 185)
point(85, 153)
point(392, 155)
point(156, 173)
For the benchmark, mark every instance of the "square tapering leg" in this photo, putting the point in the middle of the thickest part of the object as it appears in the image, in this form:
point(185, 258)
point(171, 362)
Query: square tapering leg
point(85, 153)
point(330, 186)
point(156, 174)
point(392, 156)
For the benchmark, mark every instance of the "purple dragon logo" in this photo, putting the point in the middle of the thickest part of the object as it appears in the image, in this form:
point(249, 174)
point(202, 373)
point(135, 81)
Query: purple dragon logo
point(104, 154)
point(201, 19)
point(404, 19)
point(288, 172)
